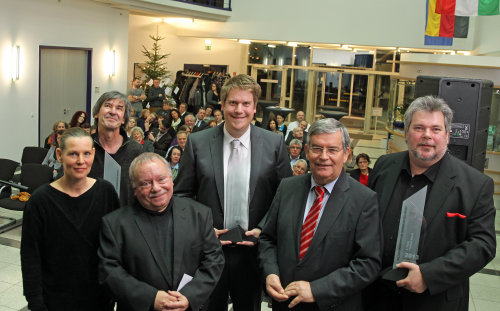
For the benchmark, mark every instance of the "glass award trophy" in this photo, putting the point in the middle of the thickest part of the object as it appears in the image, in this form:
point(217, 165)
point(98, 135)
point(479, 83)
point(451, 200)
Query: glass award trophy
point(410, 225)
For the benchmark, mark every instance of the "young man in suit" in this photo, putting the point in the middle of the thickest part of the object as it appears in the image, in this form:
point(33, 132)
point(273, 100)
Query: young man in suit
point(457, 235)
point(146, 249)
point(235, 169)
point(320, 245)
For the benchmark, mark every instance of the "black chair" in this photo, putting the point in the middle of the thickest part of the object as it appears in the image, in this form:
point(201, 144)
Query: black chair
point(32, 177)
point(7, 170)
point(31, 154)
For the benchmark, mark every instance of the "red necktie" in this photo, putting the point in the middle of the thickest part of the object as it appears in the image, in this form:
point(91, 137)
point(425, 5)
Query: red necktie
point(310, 223)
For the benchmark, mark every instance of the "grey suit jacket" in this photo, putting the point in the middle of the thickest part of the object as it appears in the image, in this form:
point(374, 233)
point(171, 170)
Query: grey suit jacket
point(453, 247)
point(132, 269)
point(345, 253)
point(201, 171)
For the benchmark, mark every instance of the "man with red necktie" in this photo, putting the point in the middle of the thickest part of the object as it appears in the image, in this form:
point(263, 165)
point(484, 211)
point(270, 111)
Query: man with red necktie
point(321, 242)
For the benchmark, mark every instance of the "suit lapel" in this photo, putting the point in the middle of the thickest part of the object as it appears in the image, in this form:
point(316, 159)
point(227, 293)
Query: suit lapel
point(257, 149)
point(440, 189)
point(217, 154)
point(149, 236)
point(389, 182)
point(180, 226)
point(331, 212)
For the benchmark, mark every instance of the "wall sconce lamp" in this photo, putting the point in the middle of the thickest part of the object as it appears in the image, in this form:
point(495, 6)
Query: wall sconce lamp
point(16, 60)
point(113, 63)
point(110, 63)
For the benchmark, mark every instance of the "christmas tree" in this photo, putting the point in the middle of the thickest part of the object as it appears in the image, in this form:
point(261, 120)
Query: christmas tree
point(155, 65)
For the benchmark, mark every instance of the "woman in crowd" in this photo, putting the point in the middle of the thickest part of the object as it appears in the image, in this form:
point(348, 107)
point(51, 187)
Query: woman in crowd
point(61, 225)
point(280, 123)
point(362, 173)
point(132, 122)
point(51, 157)
point(213, 97)
point(142, 119)
point(137, 134)
point(208, 113)
point(176, 119)
point(173, 158)
point(78, 119)
point(51, 139)
point(272, 126)
point(300, 167)
point(211, 123)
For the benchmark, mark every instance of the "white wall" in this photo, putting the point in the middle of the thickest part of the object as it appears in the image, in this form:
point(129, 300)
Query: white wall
point(487, 39)
point(399, 23)
point(182, 50)
point(69, 23)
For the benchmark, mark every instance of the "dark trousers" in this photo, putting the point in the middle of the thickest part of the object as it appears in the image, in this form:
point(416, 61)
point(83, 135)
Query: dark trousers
point(384, 295)
point(240, 279)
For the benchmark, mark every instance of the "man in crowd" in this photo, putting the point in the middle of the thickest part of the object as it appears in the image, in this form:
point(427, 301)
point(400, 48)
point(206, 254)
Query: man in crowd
point(183, 111)
point(235, 169)
point(295, 150)
point(200, 124)
point(298, 133)
point(189, 121)
point(147, 249)
point(111, 113)
point(165, 109)
point(300, 117)
point(162, 137)
point(156, 95)
point(320, 245)
point(458, 227)
point(135, 96)
point(218, 117)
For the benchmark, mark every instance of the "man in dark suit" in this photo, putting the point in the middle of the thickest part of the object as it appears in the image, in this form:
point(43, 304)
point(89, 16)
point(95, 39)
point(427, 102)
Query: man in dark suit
point(320, 245)
point(162, 137)
point(457, 236)
point(148, 249)
point(235, 169)
point(200, 124)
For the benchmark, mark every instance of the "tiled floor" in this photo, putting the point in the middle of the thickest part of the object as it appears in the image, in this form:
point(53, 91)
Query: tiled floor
point(485, 285)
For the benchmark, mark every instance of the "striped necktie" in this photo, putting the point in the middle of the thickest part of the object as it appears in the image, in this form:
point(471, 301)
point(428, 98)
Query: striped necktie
point(311, 220)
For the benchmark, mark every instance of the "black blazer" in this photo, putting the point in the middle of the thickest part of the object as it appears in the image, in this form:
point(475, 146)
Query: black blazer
point(202, 126)
point(201, 171)
point(453, 248)
point(132, 269)
point(345, 253)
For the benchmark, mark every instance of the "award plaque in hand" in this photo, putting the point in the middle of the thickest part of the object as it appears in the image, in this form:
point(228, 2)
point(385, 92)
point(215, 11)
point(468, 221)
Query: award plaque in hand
point(410, 225)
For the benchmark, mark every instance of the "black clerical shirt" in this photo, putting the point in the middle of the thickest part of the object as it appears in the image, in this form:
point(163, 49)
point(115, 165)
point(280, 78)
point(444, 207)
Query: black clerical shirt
point(405, 187)
point(162, 224)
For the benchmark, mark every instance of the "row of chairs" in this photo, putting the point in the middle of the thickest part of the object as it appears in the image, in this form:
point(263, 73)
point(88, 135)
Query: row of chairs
point(32, 175)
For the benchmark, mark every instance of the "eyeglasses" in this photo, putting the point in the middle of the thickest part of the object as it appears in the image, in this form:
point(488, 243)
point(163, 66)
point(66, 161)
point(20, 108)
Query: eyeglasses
point(329, 151)
point(295, 147)
point(148, 184)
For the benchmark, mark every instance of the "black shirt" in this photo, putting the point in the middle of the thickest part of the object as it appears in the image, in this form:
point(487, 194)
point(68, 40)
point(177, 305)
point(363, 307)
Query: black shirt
point(405, 187)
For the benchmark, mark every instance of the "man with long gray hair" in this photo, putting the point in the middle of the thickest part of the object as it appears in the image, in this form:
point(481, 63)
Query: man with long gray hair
point(111, 113)
point(320, 245)
point(457, 237)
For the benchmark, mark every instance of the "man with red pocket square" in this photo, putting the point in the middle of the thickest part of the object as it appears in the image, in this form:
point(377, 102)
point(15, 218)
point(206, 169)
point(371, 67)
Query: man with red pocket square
point(458, 228)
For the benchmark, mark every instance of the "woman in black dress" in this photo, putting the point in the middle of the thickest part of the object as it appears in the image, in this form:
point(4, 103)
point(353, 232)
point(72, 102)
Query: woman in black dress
point(61, 225)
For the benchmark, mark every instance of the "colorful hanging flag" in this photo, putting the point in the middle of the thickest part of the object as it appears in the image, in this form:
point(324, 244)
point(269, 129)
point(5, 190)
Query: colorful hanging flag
point(468, 7)
point(433, 26)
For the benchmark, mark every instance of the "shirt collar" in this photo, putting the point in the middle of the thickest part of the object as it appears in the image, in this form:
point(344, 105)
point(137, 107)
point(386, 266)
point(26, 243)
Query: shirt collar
point(244, 139)
point(329, 186)
point(430, 173)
